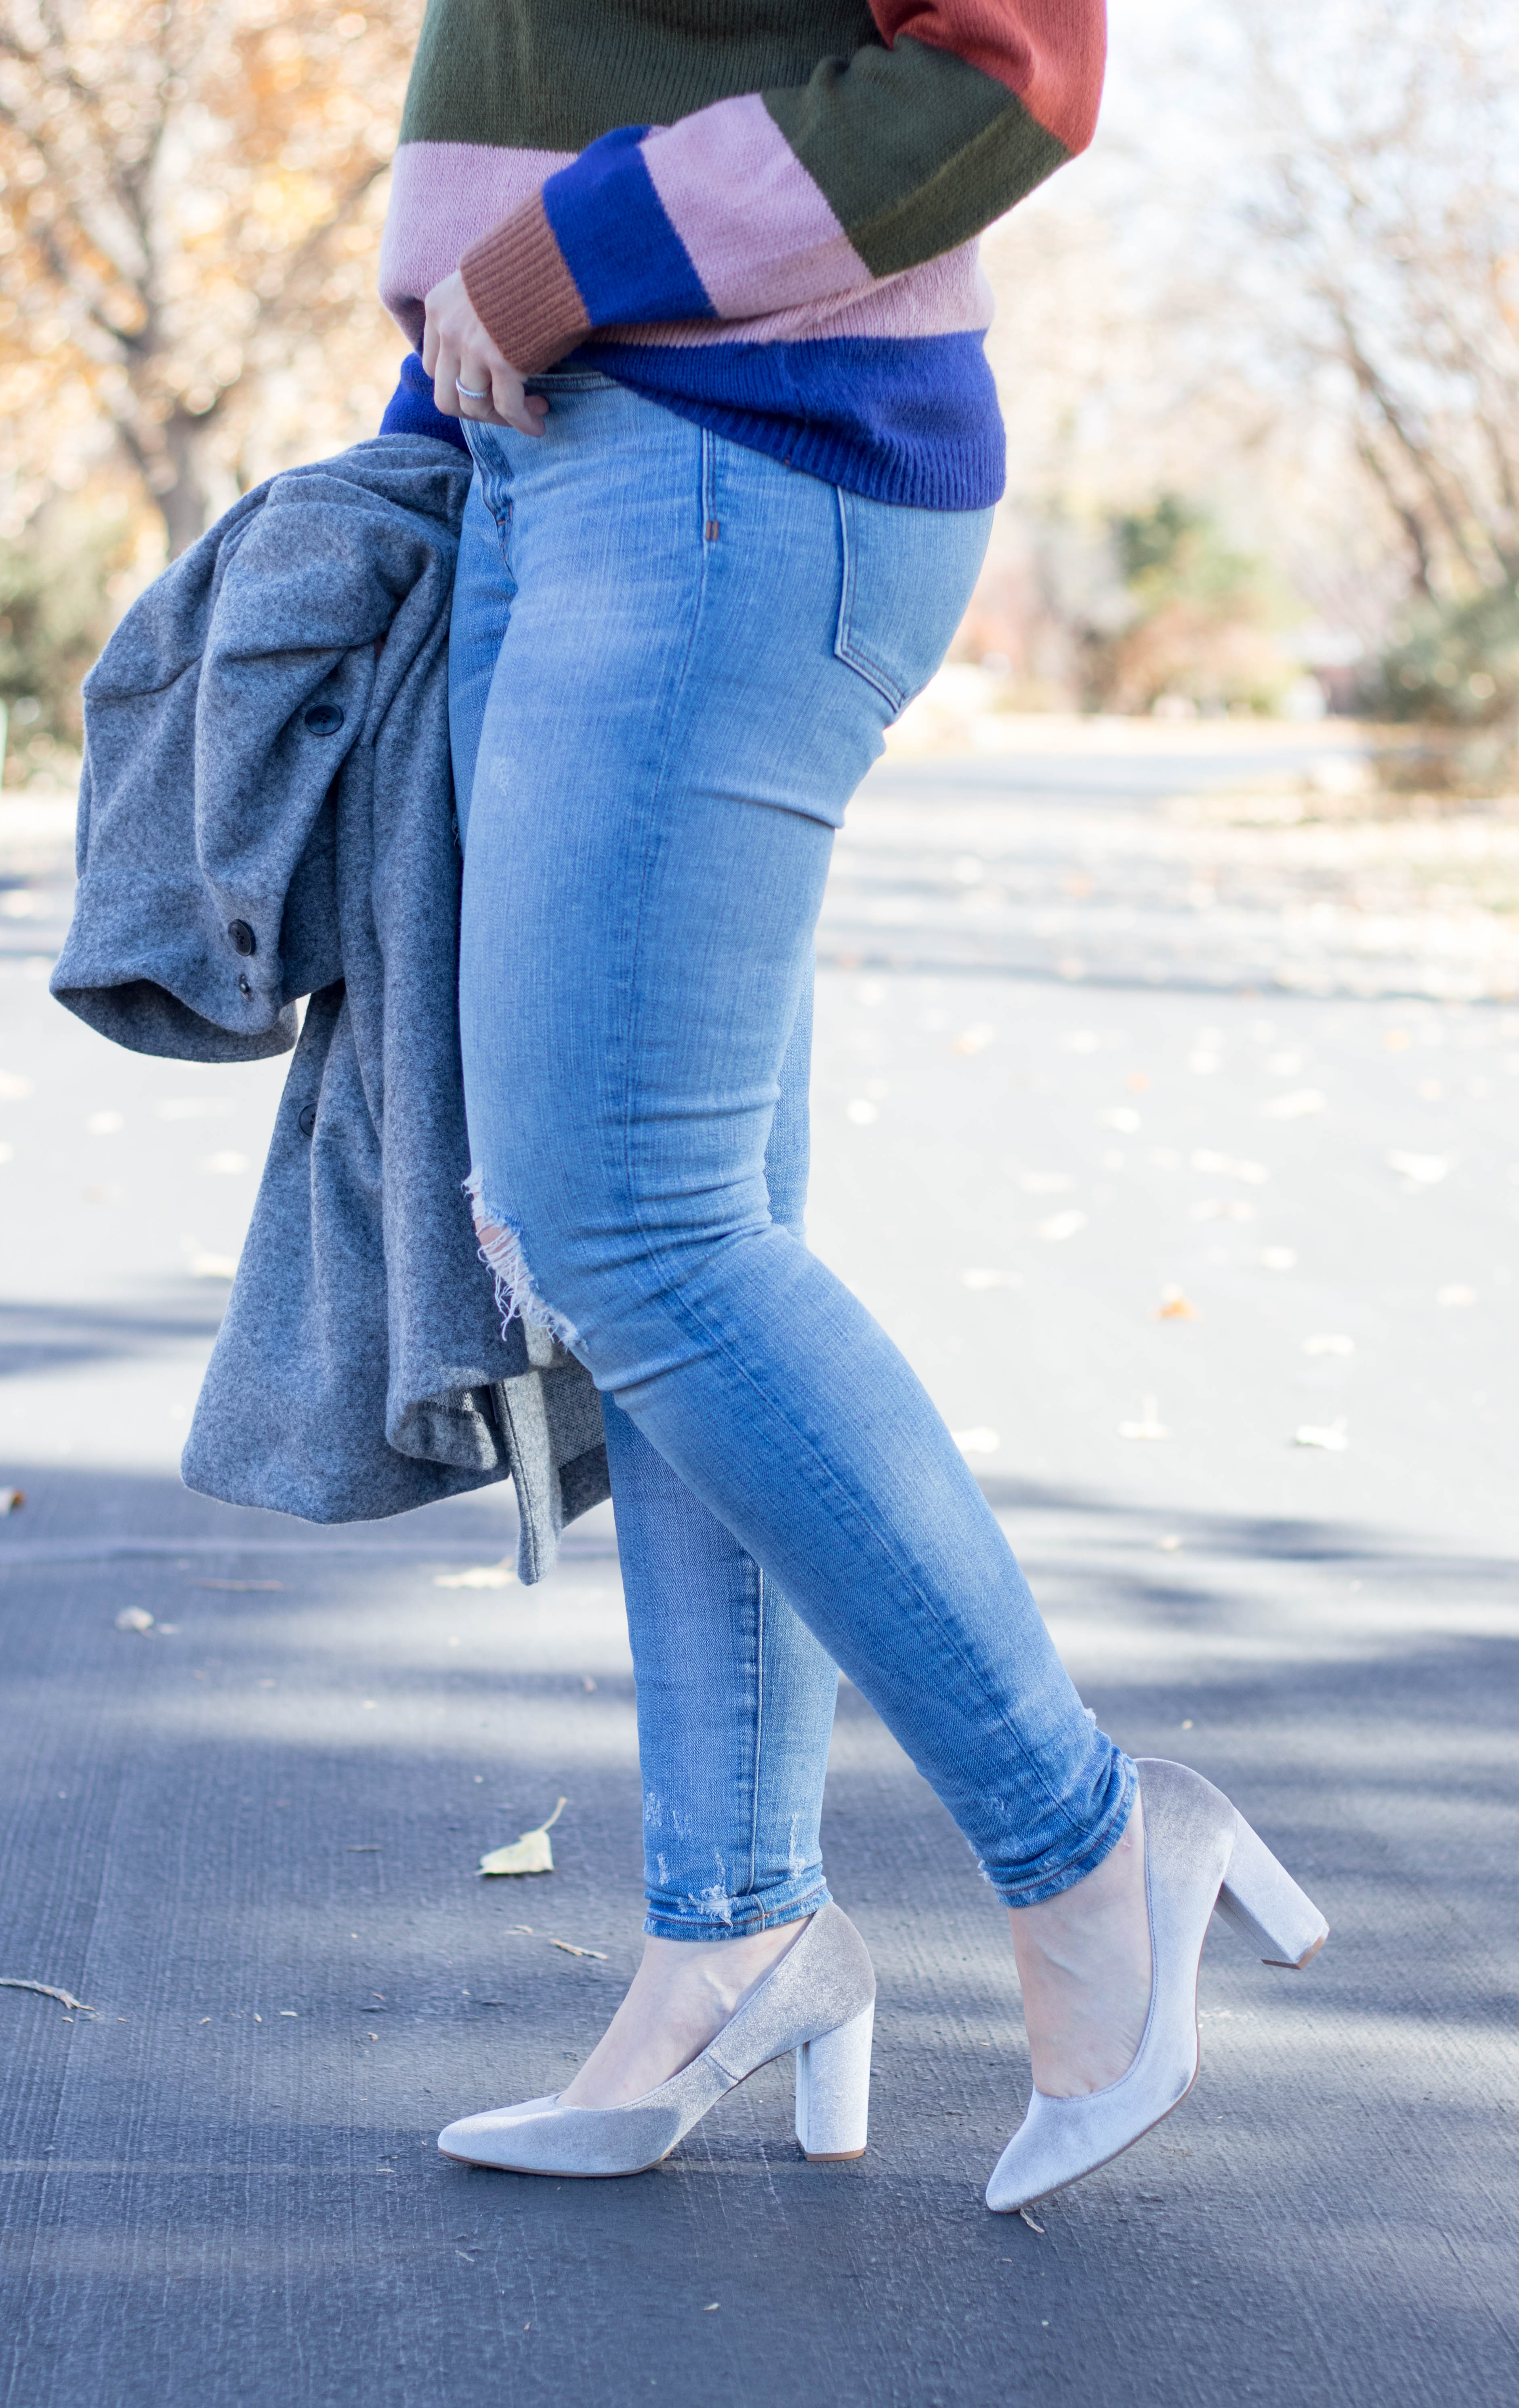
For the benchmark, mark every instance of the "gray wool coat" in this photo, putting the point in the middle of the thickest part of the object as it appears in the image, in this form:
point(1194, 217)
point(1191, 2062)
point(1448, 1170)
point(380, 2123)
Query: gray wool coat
point(267, 813)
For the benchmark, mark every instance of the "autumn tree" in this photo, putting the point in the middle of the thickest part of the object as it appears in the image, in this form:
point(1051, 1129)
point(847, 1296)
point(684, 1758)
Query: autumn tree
point(1383, 186)
point(1286, 285)
point(191, 192)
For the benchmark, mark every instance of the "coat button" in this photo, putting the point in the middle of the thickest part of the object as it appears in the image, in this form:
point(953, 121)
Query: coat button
point(306, 1119)
point(243, 987)
point(323, 719)
point(242, 937)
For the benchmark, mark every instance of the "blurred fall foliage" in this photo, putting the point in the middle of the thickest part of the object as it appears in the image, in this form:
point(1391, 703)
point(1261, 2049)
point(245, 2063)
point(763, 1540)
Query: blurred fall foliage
point(191, 195)
point(1258, 350)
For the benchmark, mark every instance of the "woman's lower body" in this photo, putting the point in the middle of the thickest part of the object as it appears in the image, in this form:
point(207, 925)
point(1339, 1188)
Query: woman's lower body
point(674, 660)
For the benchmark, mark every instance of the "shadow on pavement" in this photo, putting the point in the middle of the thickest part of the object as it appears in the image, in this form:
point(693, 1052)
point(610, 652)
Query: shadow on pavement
point(50, 1337)
point(250, 1845)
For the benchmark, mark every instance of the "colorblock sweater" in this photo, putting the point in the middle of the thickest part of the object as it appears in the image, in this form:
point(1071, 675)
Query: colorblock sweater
point(760, 213)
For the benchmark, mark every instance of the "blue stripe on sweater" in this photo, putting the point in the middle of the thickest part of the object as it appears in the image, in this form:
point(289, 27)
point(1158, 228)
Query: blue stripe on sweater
point(630, 264)
point(412, 410)
point(910, 420)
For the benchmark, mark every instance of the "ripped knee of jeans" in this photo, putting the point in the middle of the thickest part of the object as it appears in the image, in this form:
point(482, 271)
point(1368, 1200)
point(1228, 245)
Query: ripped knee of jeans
point(501, 1251)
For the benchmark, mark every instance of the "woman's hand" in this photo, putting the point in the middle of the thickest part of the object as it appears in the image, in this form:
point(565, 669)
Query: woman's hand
point(470, 378)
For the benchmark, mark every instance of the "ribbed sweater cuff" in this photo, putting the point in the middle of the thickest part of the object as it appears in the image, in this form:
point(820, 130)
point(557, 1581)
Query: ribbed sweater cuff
point(523, 293)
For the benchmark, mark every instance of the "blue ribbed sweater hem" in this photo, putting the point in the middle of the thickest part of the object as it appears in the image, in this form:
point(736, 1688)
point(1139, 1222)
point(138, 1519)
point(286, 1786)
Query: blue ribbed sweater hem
point(912, 421)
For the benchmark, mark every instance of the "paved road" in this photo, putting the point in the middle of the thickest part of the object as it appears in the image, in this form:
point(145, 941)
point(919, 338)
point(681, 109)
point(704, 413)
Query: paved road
point(1095, 1189)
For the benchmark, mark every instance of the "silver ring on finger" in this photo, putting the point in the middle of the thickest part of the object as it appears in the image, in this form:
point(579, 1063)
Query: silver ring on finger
point(467, 392)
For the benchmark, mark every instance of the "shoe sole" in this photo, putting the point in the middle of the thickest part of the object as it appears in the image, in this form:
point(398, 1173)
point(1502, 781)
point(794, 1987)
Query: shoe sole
point(556, 2174)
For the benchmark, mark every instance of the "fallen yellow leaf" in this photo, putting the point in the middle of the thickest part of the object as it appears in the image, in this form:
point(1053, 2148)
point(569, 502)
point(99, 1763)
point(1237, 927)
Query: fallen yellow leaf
point(501, 1575)
point(531, 1854)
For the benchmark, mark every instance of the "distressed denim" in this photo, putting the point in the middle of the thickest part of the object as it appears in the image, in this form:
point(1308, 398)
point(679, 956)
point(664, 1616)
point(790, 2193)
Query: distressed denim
point(674, 660)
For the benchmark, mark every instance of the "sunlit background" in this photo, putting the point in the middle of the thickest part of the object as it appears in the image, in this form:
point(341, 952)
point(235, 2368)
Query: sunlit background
point(1258, 352)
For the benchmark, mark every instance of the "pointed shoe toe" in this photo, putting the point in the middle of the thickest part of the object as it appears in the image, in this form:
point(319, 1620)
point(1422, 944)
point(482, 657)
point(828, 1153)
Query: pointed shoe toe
point(472, 2138)
point(1199, 1853)
point(819, 2001)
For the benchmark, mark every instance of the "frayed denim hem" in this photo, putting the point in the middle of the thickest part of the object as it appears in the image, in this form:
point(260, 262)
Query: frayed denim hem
point(501, 1251)
point(744, 1915)
point(1101, 1843)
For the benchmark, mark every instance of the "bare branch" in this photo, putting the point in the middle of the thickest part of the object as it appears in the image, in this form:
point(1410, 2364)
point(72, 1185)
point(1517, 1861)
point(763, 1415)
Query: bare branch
point(1404, 512)
point(309, 254)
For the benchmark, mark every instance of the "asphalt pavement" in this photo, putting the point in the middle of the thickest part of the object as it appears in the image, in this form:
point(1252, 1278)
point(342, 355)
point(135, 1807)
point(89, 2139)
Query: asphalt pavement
point(1174, 1136)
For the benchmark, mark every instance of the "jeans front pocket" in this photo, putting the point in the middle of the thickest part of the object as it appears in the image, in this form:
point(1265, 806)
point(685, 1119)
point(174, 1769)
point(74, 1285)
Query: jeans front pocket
point(494, 470)
point(906, 578)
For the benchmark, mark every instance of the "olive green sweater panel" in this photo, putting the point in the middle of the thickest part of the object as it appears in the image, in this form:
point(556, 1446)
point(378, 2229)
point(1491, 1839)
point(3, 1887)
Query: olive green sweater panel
point(914, 149)
point(520, 76)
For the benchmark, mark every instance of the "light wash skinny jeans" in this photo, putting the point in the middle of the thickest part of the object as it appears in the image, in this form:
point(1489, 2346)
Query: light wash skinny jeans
point(672, 662)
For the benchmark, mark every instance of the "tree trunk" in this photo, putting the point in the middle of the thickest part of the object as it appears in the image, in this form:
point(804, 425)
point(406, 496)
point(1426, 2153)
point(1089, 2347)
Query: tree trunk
point(178, 483)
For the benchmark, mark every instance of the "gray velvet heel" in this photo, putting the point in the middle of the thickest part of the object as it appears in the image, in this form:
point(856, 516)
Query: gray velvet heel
point(1199, 1853)
point(822, 1992)
point(833, 2090)
point(1265, 1905)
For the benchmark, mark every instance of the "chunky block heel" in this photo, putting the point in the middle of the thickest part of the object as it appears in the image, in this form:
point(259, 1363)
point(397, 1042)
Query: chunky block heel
point(1265, 1906)
point(833, 2090)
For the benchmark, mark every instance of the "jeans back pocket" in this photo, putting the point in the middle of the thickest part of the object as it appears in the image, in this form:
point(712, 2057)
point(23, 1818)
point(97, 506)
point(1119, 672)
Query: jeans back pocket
point(908, 576)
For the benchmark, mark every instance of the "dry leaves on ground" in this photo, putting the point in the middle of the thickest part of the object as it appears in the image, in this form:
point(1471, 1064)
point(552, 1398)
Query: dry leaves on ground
point(501, 1575)
point(45, 1990)
point(1330, 1436)
point(1420, 1169)
point(531, 1854)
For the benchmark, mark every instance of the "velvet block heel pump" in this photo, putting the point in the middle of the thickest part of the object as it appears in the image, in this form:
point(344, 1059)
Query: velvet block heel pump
point(819, 2001)
point(833, 2090)
point(1199, 1853)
